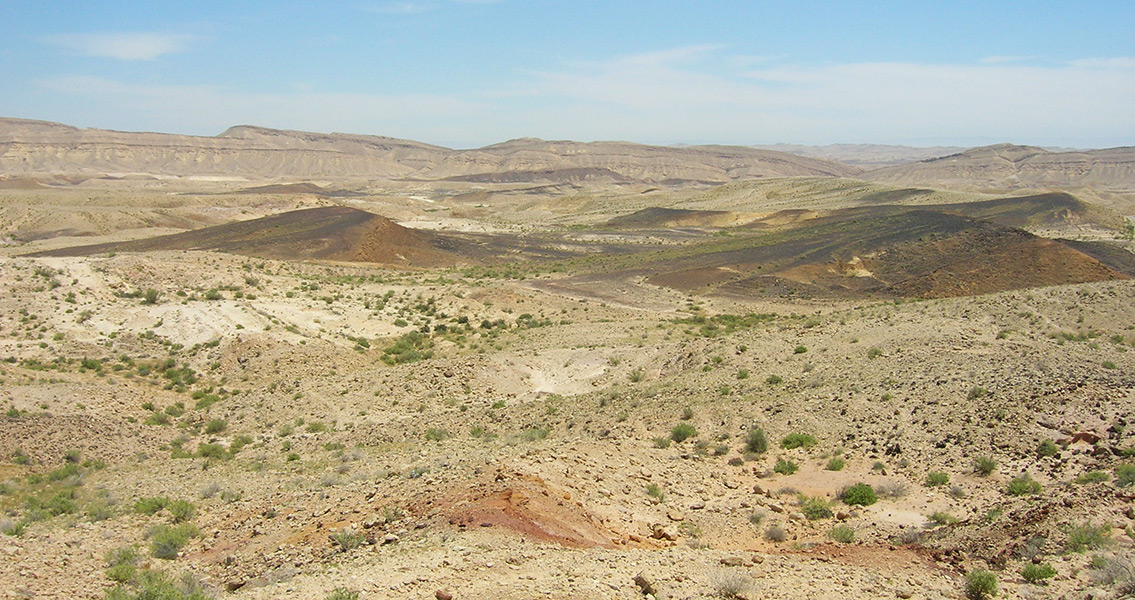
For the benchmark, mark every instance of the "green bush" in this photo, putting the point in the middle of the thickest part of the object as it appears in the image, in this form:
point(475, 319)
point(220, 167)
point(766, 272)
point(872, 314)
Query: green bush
point(1086, 536)
point(655, 492)
point(662, 442)
point(859, 494)
point(1091, 477)
point(215, 426)
point(167, 540)
point(1124, 475)
point(348, 540)
point(980, 584)
point(941, 518)
point(434, 434)
point(801, 349)
point(1036, 574)
point(343, 594)
point(181, 511)
point(836, 464)
point(785, 467)
point(755, 441)
point(842, 534)
point(984, 465)
point(936, 479)
point(815, 508)
point(150, 505)
point(1023, 485)
point(797, 440)
point(155, 585)
point(1048, 448)
point(682, 432)
point(212, 451)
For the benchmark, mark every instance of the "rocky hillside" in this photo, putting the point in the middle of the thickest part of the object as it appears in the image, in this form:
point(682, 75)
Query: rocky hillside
point(36, 148)
point(1007, 165)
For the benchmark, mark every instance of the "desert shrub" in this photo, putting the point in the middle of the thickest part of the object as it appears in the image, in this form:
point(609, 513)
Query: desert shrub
point(150, 505)
point(121, 564)
point(814, 508)
point(836, 464)
point(348, 540)
point(936, 479)
point(842, 534)
point(687, 413)
point(662, 442)
point(1086, 536)
point(411, 347)
point(1125, 475)
point(155, 585)
point(216, 451)
point(150, 296)
point(785, 467)
point(755, 441)
point(756, 517)
point(655, 492)
point(167, 540)
point(732, 585)
point(859, 494)
point(316, 427)
point(801, 349)
point(797, 440)
point(941, 518)
point(1023, 485)
point(181, 511)
point(215, 426)
point(343, 594)
point(891, 489)
point(682, 432)
point(1091, 477)
point(436, 435)
point(1036, 574)
point(984, 465)
point(980, 584)
point(774, 379)
point(1048, 448)
point(874, 353)
point(775, 533)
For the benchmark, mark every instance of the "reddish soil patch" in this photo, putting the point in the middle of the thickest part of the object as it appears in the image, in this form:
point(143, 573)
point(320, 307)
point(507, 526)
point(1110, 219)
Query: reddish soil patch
point(527, 505)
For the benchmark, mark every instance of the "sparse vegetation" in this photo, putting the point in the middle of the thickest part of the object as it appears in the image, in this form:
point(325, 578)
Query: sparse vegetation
point(859, 494)
point(981, 584)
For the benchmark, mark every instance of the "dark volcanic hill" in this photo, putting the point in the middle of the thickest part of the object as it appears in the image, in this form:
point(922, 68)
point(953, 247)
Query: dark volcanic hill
point(889, 251)
point(1010, 166)
point(43, 148)
point(333, 233)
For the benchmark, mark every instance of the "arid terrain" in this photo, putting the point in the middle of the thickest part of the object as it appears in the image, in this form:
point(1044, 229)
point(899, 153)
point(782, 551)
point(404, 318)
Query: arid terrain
point(277, 364)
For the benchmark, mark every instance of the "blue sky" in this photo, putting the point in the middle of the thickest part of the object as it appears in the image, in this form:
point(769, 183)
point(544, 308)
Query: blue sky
point(465, 73)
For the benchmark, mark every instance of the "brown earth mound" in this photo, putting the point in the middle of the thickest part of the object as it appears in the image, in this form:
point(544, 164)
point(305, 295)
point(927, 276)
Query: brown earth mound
point(912, 253)
point(334, 233)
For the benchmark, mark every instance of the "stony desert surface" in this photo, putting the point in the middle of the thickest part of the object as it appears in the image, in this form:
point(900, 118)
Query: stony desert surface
point(534, 381)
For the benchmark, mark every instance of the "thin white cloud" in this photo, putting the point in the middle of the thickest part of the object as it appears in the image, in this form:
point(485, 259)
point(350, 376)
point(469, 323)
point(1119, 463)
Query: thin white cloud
point(122, 46)
point(399, 8)
point(997, 60)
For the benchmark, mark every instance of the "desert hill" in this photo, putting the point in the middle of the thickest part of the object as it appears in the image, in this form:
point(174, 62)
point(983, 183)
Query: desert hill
point(332, 233)
point(866, 156)
point(883, 250)
point(1008, 165)
point(36, 147)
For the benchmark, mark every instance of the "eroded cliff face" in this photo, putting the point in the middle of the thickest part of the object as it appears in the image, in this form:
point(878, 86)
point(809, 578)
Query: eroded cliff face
point(39, 148)
point(1007, 165)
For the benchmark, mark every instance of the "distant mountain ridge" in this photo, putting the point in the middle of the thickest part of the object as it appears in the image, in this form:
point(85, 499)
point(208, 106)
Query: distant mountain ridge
point(36, 148)
point(1010, 165)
